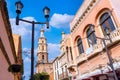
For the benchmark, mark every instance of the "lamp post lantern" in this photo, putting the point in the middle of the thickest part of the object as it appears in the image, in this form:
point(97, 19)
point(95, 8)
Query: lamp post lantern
point(107, 51)
point(46, 11)
point(108, 33)
point(19, 7)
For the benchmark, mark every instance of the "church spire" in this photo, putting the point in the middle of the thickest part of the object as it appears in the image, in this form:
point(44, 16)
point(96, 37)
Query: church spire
point(63, 35)
point(42, 33)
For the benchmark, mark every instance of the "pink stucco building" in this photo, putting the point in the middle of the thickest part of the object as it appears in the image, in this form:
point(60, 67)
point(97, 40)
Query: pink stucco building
point(86, 56)
point(93, 45)
point(89, 54)
point(9, 52)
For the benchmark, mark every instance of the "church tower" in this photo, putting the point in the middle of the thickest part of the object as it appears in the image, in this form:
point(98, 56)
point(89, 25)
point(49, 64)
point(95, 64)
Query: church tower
point(42, 48)
point(43, 65)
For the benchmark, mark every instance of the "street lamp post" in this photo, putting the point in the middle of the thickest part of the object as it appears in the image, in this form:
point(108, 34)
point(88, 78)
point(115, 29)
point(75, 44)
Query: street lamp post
point(110, 59)
point(46, 11)
point(107, 51)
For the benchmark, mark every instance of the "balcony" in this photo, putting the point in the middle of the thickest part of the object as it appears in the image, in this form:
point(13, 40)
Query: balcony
point(71, 66)
point(64, 76)
point(115, 37)
point(81, 58)
point(98, 47)
point(63, 59)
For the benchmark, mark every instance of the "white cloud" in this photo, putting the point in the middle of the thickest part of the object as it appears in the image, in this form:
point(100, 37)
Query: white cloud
point(27, 59)
point(29, 18)
point(60, 21)
point(53, 50)
point(23, 28)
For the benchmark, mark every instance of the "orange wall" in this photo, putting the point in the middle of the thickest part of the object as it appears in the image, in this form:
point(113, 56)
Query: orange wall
point(51, 76)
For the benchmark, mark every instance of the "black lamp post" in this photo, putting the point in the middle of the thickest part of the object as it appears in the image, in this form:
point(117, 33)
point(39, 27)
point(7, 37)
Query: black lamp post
point(46, 11)
point(108, 33)
point(108, 53)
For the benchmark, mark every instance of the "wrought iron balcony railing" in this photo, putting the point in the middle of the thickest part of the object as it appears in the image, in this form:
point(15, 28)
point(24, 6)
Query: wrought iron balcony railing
point(114, 36)
point(81, 58)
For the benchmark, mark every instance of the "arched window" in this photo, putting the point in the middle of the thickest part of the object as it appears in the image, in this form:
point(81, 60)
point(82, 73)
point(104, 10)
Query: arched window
point(42, 58)
point(42, 48)
point(106, 23)
point(80, 46)
point(91, 36)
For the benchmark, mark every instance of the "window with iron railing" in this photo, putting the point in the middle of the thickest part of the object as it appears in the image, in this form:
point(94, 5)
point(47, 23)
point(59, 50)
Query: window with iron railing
point(106, 22)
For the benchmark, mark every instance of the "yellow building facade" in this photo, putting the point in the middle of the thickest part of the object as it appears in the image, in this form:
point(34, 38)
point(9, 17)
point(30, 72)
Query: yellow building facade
point(18, 50)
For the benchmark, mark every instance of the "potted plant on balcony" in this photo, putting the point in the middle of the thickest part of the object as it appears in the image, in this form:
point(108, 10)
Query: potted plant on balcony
point(15, 68)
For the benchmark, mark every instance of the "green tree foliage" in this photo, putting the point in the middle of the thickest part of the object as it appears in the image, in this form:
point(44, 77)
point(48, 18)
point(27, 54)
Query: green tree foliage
point(41, 76)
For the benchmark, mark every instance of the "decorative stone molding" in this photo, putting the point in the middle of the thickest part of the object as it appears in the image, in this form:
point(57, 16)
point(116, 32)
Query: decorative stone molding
point(82, 13)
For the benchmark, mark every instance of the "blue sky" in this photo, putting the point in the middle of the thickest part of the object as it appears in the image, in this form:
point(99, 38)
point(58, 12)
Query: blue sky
point(61, 13)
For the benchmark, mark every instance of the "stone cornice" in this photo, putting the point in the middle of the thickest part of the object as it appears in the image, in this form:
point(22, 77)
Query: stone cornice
point(39, 63)
point(42, 53)
point(55, 59)
point(78, 19)
point(42, 38)
point(4, 11)
point(61, 55)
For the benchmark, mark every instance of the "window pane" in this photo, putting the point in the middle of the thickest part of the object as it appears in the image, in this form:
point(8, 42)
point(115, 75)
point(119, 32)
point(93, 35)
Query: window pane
point(104, 17)
point(80, 46)
point(91, 36)
point(112, 27)
point(106, 22)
